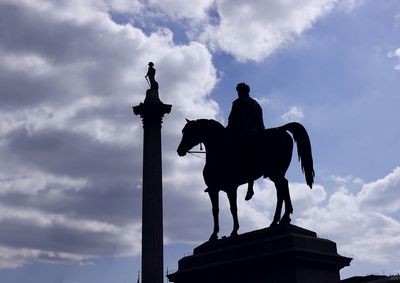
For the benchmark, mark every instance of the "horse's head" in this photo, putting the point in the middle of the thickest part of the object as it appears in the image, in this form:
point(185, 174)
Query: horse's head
point(190, 137)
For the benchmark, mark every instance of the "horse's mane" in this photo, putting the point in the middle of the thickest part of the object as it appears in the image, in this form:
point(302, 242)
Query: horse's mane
point(210, 123)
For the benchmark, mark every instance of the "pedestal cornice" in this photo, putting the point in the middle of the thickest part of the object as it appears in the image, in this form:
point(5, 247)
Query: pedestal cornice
point(153, 109)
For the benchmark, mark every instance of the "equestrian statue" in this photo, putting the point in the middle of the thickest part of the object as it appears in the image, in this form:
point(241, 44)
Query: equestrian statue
point(243, 152)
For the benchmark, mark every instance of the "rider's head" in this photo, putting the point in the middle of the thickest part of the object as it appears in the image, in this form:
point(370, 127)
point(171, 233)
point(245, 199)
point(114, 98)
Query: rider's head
point(243, 90)
point(151, 64)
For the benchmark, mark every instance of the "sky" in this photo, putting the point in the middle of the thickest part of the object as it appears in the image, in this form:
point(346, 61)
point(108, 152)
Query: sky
point(71, 148)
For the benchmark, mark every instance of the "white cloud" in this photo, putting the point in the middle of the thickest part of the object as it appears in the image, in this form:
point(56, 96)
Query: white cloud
point(295, 113)
point(341, 180)
point(70, 144)
point(249, 30)
point(263, 100)
point(382, 195)
point(179, 9)
point(360, 222)
point(252, 30)
point(396, 54)
point(125, 6)
point(349, 5)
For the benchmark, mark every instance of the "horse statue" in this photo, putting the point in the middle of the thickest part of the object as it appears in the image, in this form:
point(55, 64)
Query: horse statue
point(234, 159)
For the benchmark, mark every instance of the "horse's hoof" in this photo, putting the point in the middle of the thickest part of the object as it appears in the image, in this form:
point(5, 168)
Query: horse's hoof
point(273, 223)
point(213, 238)
point(234, 234)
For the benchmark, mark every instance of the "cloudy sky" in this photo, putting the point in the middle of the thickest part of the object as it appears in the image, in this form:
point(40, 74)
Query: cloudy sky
point(71, 148)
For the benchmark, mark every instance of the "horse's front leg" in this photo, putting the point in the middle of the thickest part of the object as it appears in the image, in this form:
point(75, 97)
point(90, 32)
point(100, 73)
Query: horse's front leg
point(213, 193)
point(232, 196)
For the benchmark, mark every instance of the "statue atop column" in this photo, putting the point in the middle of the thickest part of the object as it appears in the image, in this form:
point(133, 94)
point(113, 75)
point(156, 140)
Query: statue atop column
point(151, 73)
point(152, 93)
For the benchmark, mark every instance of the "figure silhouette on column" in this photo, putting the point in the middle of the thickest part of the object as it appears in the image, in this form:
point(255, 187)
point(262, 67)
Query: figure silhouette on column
point(151, 73)
point(152, 92)
point(245, 117)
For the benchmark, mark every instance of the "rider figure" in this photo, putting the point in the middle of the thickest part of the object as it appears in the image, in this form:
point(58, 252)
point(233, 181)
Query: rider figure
point(245, 117)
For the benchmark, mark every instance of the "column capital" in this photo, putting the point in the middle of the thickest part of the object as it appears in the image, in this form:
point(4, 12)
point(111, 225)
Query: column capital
point(153, 109)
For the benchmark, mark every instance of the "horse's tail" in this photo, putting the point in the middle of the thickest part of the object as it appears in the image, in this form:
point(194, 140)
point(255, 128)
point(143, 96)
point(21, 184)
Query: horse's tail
point(300, 136)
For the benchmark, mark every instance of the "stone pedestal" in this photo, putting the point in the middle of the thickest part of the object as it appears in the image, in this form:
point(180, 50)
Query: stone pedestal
point(152, 112)
point(282, 254)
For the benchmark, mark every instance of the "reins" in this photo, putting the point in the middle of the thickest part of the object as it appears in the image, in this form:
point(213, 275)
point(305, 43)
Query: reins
point(195, 152)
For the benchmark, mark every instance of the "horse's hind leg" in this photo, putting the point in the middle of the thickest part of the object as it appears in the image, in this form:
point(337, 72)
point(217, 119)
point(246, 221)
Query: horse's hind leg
point(279, 203)
point(215, 210)
point(288, 203)
point(282, 192)
point(232, 196)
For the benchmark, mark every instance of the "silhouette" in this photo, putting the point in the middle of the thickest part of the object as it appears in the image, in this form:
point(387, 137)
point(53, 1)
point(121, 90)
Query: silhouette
point(373, 279)
point(152, 92)
point(264, 153)
point(246, 116)
point(151, 73)
point(279, 254)
point(152, 111)
point(246, 113)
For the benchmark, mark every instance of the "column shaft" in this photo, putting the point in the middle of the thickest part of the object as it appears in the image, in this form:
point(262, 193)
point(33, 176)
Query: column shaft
point(152, 112)
point(152, 211)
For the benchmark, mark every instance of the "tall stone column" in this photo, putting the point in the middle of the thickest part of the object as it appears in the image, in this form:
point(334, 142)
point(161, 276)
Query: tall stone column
point(152, 111)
